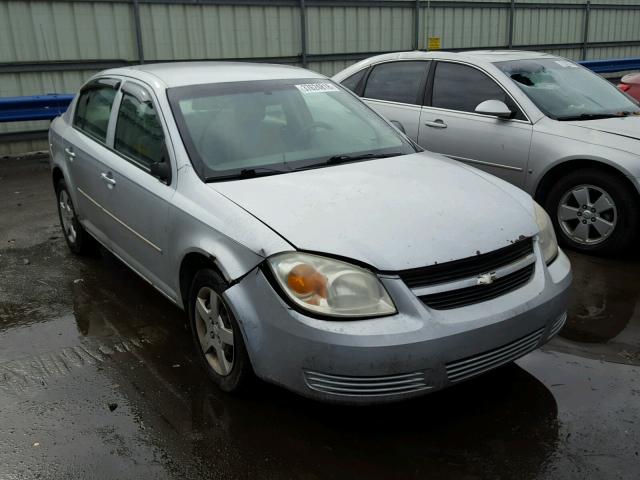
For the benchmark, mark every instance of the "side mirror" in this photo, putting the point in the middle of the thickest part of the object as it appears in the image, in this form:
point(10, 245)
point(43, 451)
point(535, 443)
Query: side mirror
point(494, 107)
point(398, 125)
point(162, 169)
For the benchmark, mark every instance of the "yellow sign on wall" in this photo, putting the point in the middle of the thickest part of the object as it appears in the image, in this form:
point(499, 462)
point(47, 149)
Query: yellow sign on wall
point(433, 43)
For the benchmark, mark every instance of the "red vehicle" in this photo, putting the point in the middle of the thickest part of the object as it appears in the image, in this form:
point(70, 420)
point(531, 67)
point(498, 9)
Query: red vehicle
point(631, 84)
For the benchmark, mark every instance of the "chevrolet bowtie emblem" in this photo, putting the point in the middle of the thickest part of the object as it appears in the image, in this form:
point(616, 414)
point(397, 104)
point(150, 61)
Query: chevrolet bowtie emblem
point(486, 278)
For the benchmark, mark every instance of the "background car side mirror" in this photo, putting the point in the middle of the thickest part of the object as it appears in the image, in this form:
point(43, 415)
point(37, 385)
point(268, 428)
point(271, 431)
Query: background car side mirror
point(398, 125)
point(162, 169)
point(496, 108)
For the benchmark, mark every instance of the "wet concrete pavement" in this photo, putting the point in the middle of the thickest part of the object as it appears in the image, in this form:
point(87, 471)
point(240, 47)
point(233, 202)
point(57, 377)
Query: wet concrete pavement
point(98, 380)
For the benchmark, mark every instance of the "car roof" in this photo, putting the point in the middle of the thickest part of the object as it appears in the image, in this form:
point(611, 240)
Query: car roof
point(503, 55)
point(489, 56)
point(177, 74)
point(476, 57)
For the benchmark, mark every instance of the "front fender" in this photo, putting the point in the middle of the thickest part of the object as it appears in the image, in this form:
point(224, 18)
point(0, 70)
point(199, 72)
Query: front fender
point(550, 150)
point(206, 222)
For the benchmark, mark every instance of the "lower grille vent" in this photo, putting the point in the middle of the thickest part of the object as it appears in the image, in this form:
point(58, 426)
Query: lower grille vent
point(558, 325)
point(477, 364)
point(381, 385)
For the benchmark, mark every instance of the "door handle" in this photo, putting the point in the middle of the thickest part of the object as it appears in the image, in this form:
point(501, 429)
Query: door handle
point(70, 154)
point(436, 124)
point(108, 178)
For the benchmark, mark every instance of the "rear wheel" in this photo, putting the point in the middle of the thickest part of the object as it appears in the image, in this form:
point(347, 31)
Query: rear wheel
point(216, 333)
point(77, 238)
point(594, 211)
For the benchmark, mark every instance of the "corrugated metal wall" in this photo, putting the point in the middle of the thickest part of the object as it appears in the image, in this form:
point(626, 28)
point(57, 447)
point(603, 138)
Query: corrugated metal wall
point(48, 31)
point(358, 29)
point(35, 36)
point(210, 31)
point(470, 27)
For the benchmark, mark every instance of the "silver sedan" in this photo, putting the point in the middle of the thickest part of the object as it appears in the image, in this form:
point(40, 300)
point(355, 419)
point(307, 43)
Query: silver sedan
point(544, 123)
point(310, 242)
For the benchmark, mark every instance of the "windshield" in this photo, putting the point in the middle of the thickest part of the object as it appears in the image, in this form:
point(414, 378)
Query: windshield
point(276, 126)
point(564, 90)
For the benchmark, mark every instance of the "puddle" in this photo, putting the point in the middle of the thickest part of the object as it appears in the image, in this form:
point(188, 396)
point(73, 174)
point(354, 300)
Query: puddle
point(97, 369)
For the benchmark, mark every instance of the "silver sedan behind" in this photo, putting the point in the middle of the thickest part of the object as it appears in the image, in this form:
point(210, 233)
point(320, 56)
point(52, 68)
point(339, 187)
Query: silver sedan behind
point(541, 122)
point(309, 241)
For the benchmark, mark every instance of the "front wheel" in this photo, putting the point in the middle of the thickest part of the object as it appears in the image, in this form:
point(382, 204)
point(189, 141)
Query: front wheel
point(216, 333)
point(594, 211)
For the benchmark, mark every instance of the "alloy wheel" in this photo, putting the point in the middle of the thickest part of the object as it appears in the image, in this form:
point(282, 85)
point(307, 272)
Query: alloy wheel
point(587, 214)
point(67, 215)
point(214, 331)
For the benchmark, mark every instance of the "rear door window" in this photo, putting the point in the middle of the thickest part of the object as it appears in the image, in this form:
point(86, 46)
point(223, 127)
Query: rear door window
point(139, 135)
point(93, 110)
point(401, 82)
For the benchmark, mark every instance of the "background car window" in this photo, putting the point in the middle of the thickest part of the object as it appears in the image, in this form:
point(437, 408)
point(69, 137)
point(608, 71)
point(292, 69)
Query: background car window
point(460, 87)
point(139, 133)
point(93, 110)
point(352, 82)
point(396, 82)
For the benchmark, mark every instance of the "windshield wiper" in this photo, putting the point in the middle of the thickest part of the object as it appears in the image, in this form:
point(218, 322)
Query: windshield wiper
point(263, 171)
point(248, 173)
point(591, 116)
point(259, 171)
point(336, 159)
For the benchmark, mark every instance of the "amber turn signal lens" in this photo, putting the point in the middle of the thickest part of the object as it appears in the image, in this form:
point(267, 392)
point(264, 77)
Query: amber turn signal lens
point(305, 280)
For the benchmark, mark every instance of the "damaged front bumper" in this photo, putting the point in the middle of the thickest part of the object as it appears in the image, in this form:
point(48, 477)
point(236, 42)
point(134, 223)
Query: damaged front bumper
point(416, 351)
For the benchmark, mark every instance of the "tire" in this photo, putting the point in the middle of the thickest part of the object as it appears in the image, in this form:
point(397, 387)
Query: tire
point(611, 222)
point(78, 239)
point(227, 365)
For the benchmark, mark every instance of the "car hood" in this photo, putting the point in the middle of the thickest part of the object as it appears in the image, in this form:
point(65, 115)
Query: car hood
point(621, 133)
point(393, 214)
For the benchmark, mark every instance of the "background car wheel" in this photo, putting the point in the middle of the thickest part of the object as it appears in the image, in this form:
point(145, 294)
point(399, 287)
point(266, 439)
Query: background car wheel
point(594, 211)
point(216, 334)
point(78, 240)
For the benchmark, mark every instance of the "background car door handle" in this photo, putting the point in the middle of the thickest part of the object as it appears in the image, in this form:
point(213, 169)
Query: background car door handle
point(436, 124)
point(108, 178)
point(70, 153)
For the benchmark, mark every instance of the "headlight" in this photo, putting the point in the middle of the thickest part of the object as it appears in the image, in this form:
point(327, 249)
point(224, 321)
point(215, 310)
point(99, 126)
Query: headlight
point(546, 237)
point(330, 287)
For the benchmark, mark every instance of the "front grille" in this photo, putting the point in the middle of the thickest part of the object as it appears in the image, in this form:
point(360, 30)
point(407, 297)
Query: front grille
point(368, 386)
point(478, 293)
point(477, 364)
point(466, 267)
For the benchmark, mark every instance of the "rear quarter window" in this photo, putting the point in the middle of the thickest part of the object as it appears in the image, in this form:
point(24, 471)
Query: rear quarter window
point(352, 82)
point(93, 110)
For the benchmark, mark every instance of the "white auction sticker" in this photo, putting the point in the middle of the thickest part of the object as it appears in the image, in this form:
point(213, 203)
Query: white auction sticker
point(317, 88)
point(564, 63)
